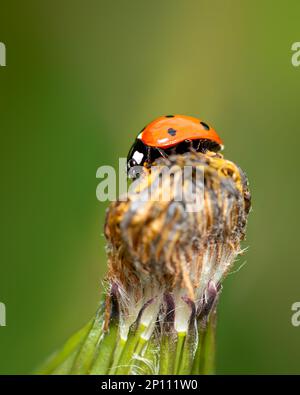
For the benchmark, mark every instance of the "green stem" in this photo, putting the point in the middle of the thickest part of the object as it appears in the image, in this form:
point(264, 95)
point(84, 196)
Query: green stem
point(138, 354)
point(151, 353)
point(167, 350)
point(204, 361)
point(181, 336)
point(66, 366)
point(198, 354)
point(117, 355)
point(106, 349)
point(207, 361)
point(86, 354)
point(187, 356)
point(123, 366)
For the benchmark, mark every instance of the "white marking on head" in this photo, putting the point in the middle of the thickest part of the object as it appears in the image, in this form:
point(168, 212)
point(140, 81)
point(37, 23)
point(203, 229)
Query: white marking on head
point(138, 157)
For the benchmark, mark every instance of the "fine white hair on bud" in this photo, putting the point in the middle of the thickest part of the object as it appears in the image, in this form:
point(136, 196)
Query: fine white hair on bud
point(174, 239)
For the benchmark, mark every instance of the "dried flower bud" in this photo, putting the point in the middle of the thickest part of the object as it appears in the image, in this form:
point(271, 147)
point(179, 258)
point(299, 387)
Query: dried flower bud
point(170, 243)
point(159, 246)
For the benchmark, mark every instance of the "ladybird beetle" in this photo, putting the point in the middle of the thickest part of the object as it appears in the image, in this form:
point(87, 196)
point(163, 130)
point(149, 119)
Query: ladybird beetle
point(171, 134)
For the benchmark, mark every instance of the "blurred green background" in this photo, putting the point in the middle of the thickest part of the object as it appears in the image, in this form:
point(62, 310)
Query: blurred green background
point(82, 79)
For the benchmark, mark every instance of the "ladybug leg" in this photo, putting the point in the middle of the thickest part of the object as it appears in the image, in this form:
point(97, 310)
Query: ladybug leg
point(198, 146)
point(162, 153)
point(192, 149)
point(149, 155)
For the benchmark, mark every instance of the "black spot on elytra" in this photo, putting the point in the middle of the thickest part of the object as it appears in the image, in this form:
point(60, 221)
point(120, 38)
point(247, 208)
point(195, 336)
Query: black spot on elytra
point(206, 127)
point(172, 132)
point(169, 116)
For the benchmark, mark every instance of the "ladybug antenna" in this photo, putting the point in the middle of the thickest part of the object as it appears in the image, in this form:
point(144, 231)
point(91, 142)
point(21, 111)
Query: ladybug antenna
point(162, 153)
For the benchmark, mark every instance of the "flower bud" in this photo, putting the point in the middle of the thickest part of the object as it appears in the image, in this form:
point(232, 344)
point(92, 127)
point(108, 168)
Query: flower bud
point(177, 233)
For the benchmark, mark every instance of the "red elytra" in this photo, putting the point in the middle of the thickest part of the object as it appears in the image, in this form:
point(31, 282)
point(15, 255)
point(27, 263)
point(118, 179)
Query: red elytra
point(170, 130)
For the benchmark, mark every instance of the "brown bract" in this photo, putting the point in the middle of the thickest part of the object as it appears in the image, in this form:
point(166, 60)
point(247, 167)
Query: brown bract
point(159, 237)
